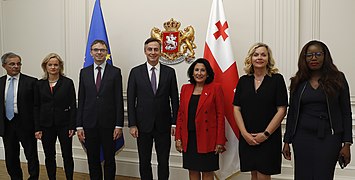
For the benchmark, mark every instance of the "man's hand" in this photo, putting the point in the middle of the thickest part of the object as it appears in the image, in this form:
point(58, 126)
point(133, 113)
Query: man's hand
point(117, 133)
point(38, 135)
point(81, 135)
point(71, 133)
point(133, 130)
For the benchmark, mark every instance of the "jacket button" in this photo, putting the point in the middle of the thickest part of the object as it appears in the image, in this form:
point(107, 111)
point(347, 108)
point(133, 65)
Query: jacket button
point(205, 120)
point(205, 112)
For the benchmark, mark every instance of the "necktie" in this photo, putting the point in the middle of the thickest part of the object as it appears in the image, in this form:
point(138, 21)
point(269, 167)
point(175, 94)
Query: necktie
point(153, 80)
point(98, 78)
point(10, 100)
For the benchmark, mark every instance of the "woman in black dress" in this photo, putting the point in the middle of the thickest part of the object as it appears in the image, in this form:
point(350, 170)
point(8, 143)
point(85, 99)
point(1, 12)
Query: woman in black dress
point(319, 123)
point(259, 107)
point(55, 113)
point(200, 122)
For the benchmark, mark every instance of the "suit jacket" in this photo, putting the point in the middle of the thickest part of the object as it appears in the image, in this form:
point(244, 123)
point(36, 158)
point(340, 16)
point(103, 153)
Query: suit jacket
point(104, 108)
point(209, 119)
point(57, 108)
point(146, 110)
point(25, 101)
point(339, 112)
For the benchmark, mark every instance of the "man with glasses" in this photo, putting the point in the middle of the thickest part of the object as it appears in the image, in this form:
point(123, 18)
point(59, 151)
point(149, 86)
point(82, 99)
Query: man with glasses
point(17, 123)
point(100, 111)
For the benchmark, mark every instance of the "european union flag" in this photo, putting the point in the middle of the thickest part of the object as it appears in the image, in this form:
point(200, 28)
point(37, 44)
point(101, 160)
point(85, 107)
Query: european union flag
point(98, 31)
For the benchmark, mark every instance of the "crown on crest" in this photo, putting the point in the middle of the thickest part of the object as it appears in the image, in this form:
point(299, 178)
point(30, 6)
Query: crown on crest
point(171, 25)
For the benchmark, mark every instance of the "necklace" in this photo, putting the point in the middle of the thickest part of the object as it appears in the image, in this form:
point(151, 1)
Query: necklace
point(259, 81)
point(53, 81)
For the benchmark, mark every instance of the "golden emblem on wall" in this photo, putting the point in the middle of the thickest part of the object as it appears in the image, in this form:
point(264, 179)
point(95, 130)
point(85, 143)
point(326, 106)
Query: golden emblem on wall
point(177, 45)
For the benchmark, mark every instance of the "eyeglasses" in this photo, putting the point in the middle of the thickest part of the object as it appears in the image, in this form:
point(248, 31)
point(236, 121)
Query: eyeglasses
point(316, 54)
point(12, 64)
point(99, 50)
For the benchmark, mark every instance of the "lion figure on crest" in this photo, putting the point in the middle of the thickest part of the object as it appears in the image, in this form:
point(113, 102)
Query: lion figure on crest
point(187, 38)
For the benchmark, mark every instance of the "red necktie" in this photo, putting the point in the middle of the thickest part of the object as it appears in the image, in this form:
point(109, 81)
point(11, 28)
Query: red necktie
point(98, 78)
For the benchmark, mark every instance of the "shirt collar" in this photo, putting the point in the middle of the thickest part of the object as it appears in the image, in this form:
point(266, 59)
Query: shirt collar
point(16, 76)
point(103, 65)
point(157, 67)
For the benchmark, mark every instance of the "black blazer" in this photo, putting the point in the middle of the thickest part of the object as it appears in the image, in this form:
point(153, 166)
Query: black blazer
point(57, 108)
point(25, 101)
point(146, 110)
point(103, 108)
point(339, 109)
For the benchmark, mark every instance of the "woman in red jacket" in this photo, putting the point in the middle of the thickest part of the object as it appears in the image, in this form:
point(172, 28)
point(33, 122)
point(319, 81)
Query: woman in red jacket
point(200, 122)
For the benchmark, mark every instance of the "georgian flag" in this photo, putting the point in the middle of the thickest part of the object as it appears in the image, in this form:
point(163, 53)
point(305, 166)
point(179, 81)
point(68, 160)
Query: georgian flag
point(218, 51)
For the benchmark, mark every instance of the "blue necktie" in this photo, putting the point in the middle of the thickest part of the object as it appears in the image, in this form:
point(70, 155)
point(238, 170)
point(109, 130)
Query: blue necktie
point(10, 100)
point(153, 80)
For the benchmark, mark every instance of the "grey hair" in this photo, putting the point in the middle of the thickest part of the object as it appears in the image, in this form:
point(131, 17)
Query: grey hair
point(8, 55)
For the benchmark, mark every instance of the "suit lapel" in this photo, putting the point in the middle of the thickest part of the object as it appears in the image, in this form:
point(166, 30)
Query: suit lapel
point(145, 77)
point(162, 77)
point(204, 95)
point(19, 88)
point(2, 88)
point(56, 87)
point(104, 76)
point(90, 76)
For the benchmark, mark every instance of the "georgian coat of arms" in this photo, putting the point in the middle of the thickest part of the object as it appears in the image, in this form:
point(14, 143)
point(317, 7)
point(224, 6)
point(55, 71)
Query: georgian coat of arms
point(177, 45)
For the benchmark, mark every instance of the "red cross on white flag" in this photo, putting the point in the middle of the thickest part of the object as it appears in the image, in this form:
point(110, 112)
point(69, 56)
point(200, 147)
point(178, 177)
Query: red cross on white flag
point(218, 51)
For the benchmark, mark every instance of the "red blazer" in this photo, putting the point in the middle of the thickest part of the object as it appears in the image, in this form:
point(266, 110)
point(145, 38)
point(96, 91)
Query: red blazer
point(209, 118)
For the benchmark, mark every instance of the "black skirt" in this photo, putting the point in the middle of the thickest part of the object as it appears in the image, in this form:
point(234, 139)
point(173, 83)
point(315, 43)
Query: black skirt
point(203, 162)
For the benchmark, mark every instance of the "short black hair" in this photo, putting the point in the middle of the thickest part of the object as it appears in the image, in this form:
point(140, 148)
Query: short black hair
point(210, 73)
point(149, 40)
point(99, 41)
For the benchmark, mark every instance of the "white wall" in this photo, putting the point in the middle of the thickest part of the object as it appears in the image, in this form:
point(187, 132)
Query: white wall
point(33, 28)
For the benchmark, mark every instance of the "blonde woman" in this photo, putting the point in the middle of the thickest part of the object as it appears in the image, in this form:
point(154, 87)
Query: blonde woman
point(55, 113)
point(259, 107)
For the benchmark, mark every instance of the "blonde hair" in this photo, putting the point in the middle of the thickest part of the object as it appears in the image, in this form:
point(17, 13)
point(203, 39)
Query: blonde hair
point(270, 68)
point(46, 60)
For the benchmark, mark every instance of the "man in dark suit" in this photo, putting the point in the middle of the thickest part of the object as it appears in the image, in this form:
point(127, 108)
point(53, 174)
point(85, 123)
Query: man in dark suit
point(152, 108)
point(100, 111)
point(17, 123)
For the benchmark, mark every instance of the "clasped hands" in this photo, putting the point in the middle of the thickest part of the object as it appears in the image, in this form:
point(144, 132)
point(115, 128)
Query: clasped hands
point(254, 139)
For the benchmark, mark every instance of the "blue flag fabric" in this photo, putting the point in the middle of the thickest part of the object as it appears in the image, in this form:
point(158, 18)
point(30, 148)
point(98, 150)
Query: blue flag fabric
point(98, 31)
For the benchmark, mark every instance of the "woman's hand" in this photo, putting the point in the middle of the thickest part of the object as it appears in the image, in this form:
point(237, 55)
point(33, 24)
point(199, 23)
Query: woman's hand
point(286, 151)
point(259, 137)
point(345, 152)
point(249, 138)
point(219, 149)
point(38, 135)
point(178, 145)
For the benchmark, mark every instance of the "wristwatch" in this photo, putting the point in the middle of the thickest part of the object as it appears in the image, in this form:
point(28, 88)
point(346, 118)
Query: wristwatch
point(266, 133)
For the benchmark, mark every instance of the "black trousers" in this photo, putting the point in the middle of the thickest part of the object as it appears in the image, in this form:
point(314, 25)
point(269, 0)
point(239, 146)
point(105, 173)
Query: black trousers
point(49, 138)
point(14, 135)
point(162, 147)
point(95, 138)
